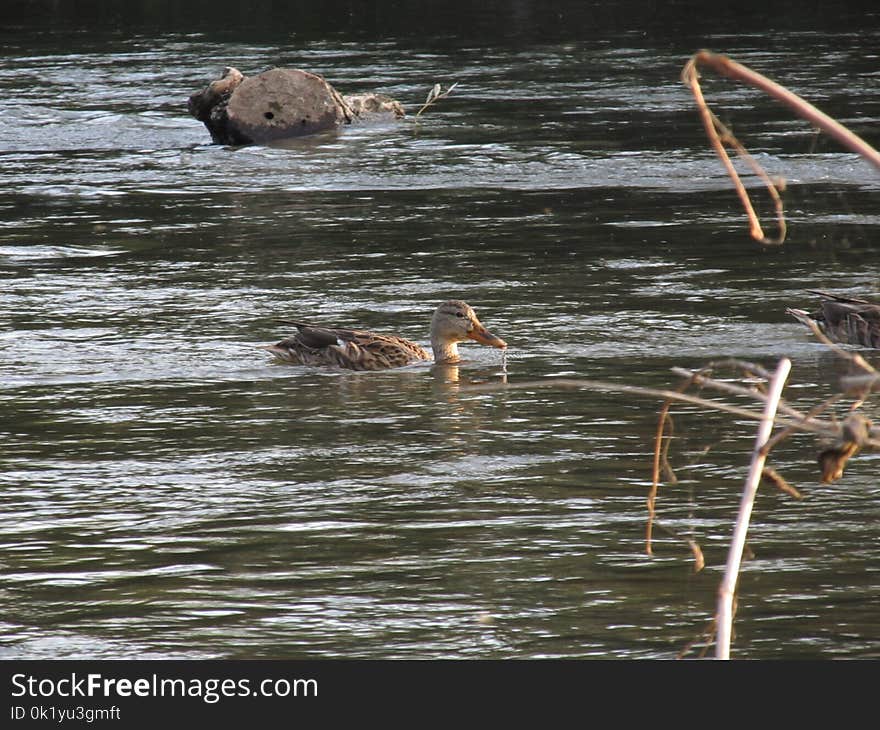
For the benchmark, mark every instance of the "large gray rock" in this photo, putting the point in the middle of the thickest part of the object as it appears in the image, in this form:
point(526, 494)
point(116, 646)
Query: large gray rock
point(280, 103)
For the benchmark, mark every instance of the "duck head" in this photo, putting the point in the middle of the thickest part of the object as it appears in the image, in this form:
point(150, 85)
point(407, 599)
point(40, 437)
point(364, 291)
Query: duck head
point(453, 322)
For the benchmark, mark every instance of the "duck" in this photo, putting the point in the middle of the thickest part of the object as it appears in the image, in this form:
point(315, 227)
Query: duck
point(453, 321)
point(843, 319)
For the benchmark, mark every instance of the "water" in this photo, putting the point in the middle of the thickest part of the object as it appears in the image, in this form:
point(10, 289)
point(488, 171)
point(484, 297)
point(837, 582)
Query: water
point(168, 491)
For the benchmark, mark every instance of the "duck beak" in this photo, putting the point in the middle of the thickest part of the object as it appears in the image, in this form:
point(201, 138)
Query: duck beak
point(484, 337)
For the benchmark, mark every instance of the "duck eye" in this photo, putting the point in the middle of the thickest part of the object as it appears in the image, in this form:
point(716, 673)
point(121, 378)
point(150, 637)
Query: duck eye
point(459, 314)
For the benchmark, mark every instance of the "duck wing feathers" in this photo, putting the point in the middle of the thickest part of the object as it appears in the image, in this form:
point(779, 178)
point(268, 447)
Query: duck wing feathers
point(347, 348)
point(848, 320)
point(851, 323)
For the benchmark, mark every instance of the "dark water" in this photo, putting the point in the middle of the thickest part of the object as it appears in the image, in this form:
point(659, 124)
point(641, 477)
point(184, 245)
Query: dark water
point(168, 491)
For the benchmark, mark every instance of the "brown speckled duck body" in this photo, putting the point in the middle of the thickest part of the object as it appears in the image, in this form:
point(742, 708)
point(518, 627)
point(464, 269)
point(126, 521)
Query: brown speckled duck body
point(454, 321)
point(843, 319)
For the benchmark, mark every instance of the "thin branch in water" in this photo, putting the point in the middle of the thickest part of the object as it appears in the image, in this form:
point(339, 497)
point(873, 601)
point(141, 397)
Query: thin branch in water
point(803, 108)
point(726, 591)
point(799, 423)
point(860, 385)
point(705, 638)
point(812, 413)
point(848, 385)
point(750, 368)
point(804, 421)
point(853, 357)
point(660, 449)
point(775, 478)
point(668, 472)
point(699, 560)
point(693, 545)
point(719, 135)
point(704, 381)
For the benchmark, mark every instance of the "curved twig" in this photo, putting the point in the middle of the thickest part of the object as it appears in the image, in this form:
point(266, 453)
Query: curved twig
point(719, 135)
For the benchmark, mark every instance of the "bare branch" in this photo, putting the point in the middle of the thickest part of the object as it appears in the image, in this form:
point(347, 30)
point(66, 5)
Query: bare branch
point(724, 618)
point(800, 423)
point(719, 135)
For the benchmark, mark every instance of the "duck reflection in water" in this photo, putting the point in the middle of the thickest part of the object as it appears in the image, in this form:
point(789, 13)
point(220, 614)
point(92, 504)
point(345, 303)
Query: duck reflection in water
point(449, 373)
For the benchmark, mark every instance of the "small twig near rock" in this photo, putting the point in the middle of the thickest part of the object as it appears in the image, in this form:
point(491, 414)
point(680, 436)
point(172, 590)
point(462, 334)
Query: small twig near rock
point(434, 95)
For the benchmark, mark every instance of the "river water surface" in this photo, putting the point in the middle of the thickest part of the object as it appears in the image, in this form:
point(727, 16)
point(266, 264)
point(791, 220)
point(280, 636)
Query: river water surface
point(169, 491)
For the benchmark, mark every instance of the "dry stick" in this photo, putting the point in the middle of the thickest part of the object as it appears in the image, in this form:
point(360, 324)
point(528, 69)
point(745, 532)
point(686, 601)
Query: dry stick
point(706, 636)
point(697, 377)
point(665, 466)
point(814, 411)
point(610, 387)
point(804, 421)
point(712, 125)
point(724, 617)
point(860, 384)
point(803, 108)
point(775, 478)
point(853, 357)
point(700, 379)
point(729, 139)
point(655, 476)
point(800, 106)
point(811, 425)
point(660, 451)
point(696, 551)
point(705, 381)
point(733, 362)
